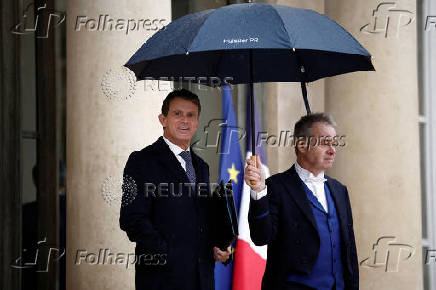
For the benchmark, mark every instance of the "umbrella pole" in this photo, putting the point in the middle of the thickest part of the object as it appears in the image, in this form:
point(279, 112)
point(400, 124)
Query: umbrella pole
point(303, 82)
point(253, 128)
point(306, 102)
point(253, 132)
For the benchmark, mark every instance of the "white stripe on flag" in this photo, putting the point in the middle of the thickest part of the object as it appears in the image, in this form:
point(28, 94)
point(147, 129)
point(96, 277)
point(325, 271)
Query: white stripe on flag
point(244, 229)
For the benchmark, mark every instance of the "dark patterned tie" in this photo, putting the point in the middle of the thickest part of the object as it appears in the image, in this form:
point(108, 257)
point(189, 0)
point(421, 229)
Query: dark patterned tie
point(190, 172)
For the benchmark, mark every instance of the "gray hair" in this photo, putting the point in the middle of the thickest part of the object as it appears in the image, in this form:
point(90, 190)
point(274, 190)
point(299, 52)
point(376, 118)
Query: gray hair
point(303, 128)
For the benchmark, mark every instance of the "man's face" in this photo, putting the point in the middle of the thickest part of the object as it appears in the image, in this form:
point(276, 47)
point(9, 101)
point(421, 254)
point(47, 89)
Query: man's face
point(321, 152)
point(181, 122)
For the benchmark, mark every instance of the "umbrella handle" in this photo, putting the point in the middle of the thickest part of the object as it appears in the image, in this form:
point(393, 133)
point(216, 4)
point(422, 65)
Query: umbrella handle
point(253, 158)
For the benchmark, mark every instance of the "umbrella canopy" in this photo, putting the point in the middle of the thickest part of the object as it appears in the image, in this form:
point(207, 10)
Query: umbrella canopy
point(280, 40)
point(249, 43)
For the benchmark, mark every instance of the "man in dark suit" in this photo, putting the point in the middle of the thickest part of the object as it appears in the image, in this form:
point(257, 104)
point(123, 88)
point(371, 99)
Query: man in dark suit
point(304, 216)
point(166, 205)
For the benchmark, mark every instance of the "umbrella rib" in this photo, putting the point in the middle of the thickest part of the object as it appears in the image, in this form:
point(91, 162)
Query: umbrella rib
point(200, 27)
point(284, 27)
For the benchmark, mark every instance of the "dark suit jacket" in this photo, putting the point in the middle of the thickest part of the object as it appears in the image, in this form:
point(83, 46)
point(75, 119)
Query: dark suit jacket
point(171, 225)
point(291, 232)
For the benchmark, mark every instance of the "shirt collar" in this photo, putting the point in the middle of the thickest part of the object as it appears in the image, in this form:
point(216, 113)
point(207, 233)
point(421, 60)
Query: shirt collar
point(173, 147)
point(306, 174)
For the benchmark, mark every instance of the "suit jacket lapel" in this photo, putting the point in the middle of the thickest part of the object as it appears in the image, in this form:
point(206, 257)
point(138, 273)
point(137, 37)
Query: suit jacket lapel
point(339, 200)
point(170, 161)
point(296, 190)
point(199, 178)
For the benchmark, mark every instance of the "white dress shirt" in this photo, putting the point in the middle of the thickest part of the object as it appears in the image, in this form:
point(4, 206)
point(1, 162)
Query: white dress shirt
point(259, 195)
point(176, 150)
point(314, 183)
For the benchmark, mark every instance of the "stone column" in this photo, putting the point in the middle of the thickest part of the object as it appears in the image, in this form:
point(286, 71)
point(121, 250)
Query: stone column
point(103, 128)
point(285, 104)
point(378, 113)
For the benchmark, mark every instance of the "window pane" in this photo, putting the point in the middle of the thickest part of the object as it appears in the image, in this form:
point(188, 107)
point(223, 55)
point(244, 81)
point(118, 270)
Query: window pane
point(420, 56)
point(422, 139)
point(426, 269)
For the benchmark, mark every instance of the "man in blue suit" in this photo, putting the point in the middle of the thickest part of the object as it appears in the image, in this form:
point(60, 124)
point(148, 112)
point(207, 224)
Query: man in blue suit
point(305, 216)
point(169, 215)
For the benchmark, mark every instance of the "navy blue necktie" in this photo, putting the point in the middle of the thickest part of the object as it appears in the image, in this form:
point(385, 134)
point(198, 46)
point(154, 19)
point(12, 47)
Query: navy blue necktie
point(190, 172)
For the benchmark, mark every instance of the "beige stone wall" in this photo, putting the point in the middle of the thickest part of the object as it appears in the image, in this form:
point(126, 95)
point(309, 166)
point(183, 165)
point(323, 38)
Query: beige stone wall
point(378, 112)
point(101, 133)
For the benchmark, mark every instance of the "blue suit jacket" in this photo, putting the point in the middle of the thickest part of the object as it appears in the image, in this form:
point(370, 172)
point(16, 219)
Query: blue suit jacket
point(284, 220)
point(174, 226)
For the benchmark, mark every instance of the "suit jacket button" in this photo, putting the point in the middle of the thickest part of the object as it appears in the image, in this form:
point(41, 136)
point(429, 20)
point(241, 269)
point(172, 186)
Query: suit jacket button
point(298, 242)
point(200, 260)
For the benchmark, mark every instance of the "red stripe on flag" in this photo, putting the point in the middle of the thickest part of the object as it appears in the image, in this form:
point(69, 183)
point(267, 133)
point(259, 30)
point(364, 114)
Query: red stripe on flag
point(248, 268)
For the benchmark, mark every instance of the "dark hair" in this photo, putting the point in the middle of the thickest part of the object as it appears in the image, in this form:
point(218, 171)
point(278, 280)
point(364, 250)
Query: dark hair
point(182, 93)
point(303, 127)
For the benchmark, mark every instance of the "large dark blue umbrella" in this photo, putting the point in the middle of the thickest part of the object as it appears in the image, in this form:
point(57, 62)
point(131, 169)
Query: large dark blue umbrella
point(251, 42)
